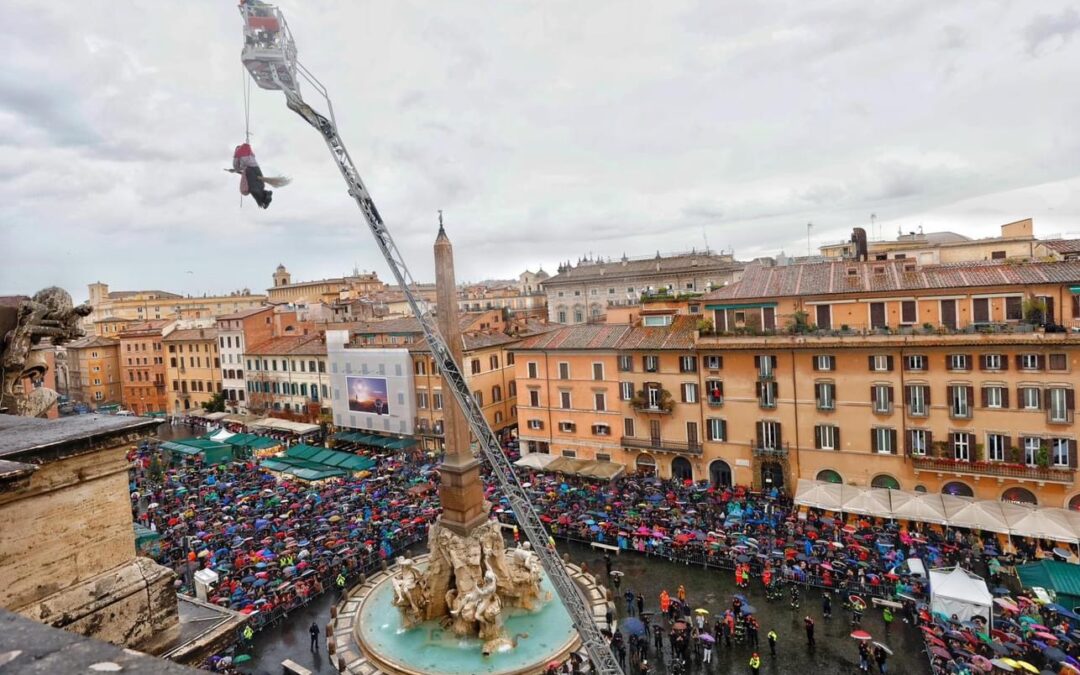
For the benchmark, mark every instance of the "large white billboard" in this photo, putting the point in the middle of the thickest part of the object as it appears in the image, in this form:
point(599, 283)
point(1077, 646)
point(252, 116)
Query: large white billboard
point(372, 388)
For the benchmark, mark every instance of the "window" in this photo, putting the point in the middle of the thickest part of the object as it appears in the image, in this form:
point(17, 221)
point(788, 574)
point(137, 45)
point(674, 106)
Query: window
point(421, 399)
point(915, 362)
point(997, 447)
point(714, 392)
point(959, 362)
point(883, 440)
point(881, 363)
point(479, 397)
point(1059, 451)
point(601, 430)
point(510, 358)
point(564, 370)
point(567, 427)
point(825, 395)
point(766, 394)
point(877, 311)
point(961, 447)
point(626, 363)
point(768, 435)
point(980, 310)
point(1030, 398)
point(827, 437)
point(692, 439)
point(716, 429)
point(512, 388)
point(882, 396)
point(570, 454)
point(960, 401)
point(1058, 362)
point(564, 400)
point(993, 361)
point(578, 316)
point(765, 365)
point(824, 362)
point(474, 366)
point(1014, 308)
point(600, 401)
point(536, 424)
point(689, 392)
point(626, 391)
point(994, 397)
point(650, 363)
point(909, 312)
point(628, 426)
point(562, 313)
point(918, 399)
point(1060, 403)
point(687, 364)
point(534, 398)
point(493, 361)
point(531, 366)
point(656, 321)
point(436, 400)
point(919, 440)
point(1030, 362)
point(597, 371)
point(823, 316)
point(714, 362)
point(496, 394)
point(1031, 450)
point(98, 396)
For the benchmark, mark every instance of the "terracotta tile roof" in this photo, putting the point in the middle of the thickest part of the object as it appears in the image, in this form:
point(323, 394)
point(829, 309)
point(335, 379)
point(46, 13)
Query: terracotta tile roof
point(1063, 245)
point(93, 341)
point(679, 335)
point(184, 334)
point(290, 344)
point(244, 313)
point(144, 328)
point(835, 278)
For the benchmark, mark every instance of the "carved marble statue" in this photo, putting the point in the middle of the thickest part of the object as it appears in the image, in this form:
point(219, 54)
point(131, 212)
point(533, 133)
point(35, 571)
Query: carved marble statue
point(468, 582)
point(49, 314)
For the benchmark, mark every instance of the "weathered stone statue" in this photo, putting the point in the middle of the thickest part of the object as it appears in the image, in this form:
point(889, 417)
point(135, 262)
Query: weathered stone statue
point(410, 592)
point(49, 314)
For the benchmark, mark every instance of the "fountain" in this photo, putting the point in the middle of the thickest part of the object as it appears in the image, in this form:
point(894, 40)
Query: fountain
point(469, 605)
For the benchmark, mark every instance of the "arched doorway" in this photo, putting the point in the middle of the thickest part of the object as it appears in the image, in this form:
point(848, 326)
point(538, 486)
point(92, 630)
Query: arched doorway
point(1074, 503)
point(720, 473)
point(1020, 496)
point(920, 488)
point(681, 469)
point(957, 489)
point(772, 475)
point(646, 465)
point(884, 480)
point(829, 476)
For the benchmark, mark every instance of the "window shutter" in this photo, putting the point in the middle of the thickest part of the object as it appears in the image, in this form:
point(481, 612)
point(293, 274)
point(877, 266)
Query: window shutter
point(760, 434)
point(892, 441)
point(892, 398)
point(1019, 361)
point(757, 387)
point(1007, 447)
point(1019, 397)
point(1041, 361)
point(723, 430)
point(870, 362)
point(836, 437)
point(930, 443)
point(832, 363)
point(982, 362)
point(721, 385)
point(772, 360)
point(889, 363)
point(926, 389)
point(971, 395)
point(1072, 454)
point(873, 396)
point(984, 396)
point(817, 436)
point(1004, 397)
point(775, 386)
point(814, 361)
point(779, 440)
point(1004, 362)
point(1045, 394)
point(907, 395)
point(757, 363)
point(1070, 399)
point(907, 442)
point(873, 440)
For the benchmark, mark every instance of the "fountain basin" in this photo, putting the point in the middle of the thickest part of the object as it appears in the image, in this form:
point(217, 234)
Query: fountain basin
point(541, 636)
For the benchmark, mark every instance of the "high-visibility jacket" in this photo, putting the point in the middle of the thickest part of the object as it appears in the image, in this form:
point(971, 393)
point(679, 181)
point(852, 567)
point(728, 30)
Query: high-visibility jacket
point(340, 581)
point(755, 661)
point(248, 633)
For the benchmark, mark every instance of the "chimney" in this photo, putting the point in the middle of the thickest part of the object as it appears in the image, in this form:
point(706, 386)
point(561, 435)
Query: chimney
point(858, 237)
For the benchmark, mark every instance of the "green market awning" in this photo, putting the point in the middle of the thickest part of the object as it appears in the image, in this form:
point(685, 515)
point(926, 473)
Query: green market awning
point(751, 305)
point(1075, 290)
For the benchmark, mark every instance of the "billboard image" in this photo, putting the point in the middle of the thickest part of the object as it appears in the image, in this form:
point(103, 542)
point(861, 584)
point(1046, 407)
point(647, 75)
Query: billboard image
point(368, 395)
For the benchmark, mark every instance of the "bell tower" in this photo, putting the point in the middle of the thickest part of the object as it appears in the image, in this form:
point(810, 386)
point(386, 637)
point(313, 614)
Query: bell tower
point(282, 276)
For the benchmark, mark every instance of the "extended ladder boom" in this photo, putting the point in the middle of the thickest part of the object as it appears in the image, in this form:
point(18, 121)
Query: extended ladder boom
point(572, 598)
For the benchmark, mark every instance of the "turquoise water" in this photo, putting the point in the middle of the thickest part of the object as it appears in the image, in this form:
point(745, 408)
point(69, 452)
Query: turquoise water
point(539, 635)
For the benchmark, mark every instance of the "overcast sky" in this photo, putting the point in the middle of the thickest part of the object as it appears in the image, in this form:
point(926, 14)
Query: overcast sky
point(544, 130)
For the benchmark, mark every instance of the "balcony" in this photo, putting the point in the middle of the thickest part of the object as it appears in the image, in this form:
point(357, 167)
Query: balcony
point(661, 445)
point(715, 402)
point(999, 469)
point(773, 453)
point(654, 401)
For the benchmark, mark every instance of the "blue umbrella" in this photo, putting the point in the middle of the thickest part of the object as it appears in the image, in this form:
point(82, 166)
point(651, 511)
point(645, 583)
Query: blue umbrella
point(748, 609)
point(634, 626)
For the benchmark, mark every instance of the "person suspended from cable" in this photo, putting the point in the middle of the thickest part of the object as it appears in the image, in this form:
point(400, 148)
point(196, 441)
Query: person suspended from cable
point(252, 180)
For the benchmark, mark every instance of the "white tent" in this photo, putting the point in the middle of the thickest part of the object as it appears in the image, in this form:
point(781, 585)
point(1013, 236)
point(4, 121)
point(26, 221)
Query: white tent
point(220, 435)
point(867, 501)
point(1045, 523)
point(921, 506)
point(956, 591)
point(535, 460)
point(820, 495)
point(976, 515)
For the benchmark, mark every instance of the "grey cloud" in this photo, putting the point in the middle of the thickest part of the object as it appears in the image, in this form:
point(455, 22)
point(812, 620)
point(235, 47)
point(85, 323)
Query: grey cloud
point(1045, 27)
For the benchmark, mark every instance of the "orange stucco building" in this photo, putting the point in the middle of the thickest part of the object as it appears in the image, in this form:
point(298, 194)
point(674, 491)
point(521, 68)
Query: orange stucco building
point(919, 377)
point(142, 367)
point(192, 368)
point(94, 370)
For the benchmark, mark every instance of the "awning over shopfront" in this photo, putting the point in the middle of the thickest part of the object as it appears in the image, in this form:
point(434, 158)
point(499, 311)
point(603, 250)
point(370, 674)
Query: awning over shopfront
point(535, 460)
point(288, 426)
point(586, 467)
point(311, 463)
point(820, 495)
point(211, 452)
point(975, 515)
point(252, 441)
point(236, 418)
point(217, 416)
point(924, 507)
point(867, 501)
point(377, 441)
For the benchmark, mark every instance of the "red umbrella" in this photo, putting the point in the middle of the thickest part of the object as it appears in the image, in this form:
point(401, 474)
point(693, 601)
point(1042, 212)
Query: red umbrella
point(861, 635)
point(943, 653)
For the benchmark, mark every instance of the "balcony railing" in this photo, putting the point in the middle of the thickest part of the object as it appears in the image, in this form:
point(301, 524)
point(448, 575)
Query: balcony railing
point(779, 453)
point(1003, 469)
point(662, 445)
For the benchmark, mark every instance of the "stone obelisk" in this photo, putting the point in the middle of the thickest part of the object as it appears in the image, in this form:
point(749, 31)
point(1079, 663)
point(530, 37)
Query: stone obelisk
point(461, 489)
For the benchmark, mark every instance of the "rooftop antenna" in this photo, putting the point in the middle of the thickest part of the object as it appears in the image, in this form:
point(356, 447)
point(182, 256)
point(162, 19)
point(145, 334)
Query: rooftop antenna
point(808, 226)
point(873, 222)
point(705, 238)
